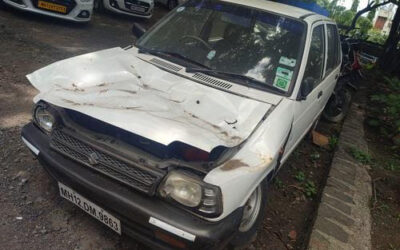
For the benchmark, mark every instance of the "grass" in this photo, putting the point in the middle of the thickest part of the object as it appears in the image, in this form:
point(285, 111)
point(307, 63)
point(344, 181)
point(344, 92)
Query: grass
point(333, 141)
point(310, 189)
point(300, 176)
point(360, 156)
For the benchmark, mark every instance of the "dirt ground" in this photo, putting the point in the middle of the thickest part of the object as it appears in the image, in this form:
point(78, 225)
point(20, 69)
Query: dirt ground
point(33, 214)
point(385, 174)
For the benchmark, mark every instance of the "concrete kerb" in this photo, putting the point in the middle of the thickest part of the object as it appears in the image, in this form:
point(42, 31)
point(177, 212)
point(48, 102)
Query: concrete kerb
point(343, 220)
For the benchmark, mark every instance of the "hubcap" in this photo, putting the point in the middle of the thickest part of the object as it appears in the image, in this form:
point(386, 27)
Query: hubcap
point(251, 210)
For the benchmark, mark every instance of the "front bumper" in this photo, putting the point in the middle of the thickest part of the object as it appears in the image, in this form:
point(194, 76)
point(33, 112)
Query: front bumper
point(132, 208)
point(74, 15)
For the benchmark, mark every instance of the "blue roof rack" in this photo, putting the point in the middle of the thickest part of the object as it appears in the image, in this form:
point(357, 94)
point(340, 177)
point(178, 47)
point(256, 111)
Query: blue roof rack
point(308, 6)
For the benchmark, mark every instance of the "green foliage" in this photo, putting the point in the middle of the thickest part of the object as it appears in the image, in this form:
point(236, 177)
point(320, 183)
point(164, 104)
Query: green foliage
point(373, 122)
point(371, 14)
point(392, 165)
point(310, 189)
point(333, 141)
point(360, 156)
point(375, 36)
point(278, 183)
point(344, 18)
point(389, 114)
point(300, 176)
point(364, 24)
point(354, 6)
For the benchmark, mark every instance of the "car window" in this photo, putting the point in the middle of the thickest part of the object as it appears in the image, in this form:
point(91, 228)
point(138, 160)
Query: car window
point(333, 48)
point(261, 46)
point(316, 57)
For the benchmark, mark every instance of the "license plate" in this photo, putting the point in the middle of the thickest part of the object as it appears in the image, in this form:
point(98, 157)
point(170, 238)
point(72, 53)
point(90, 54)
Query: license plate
point(90, 208)
point(52, 6)
point(136, 8)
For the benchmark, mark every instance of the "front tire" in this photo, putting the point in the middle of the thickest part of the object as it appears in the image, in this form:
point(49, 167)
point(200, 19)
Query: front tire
point(338, 106)
point(252, 218)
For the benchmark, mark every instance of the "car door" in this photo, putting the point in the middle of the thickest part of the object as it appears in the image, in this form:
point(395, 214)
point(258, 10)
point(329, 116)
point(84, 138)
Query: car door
point(306, 110)
point(333, 62)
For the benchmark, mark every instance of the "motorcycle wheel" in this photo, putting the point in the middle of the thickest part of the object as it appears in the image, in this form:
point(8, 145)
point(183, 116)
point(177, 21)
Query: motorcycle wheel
point(337, 106)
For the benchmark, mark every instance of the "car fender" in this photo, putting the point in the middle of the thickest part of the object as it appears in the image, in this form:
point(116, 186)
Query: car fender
point(257, 157)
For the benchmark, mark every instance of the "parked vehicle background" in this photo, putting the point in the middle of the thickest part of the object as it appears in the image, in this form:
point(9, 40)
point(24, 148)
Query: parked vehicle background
point(72, 10)
point(135, 8)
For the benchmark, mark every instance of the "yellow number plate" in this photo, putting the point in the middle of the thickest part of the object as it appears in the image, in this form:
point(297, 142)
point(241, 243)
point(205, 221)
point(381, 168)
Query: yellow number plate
point(52, 6)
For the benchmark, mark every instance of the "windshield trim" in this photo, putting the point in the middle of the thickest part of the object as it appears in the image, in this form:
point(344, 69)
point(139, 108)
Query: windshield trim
point(296, 70)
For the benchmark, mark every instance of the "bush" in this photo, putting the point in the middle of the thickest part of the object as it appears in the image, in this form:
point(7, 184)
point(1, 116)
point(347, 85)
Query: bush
point(389, 113)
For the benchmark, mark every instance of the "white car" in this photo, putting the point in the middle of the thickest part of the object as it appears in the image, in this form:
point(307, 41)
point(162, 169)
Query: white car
point(136, 8)
point(72, 10)
point(174, 140)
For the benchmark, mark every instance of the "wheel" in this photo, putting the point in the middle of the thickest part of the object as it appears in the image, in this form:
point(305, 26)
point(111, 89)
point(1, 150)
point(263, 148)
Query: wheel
point(337, 106)
point(98, 5)
point(172, 4)
point(253, 215)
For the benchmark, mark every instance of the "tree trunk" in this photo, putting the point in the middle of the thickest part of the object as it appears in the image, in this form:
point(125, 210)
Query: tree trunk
point(390, 52)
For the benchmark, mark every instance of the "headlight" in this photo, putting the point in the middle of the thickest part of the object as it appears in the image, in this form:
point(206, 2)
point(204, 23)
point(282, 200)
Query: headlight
point(193, 193)
point(43, 118)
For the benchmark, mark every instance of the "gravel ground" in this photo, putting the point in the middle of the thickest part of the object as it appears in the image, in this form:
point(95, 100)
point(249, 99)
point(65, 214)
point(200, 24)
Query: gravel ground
point(33, 214)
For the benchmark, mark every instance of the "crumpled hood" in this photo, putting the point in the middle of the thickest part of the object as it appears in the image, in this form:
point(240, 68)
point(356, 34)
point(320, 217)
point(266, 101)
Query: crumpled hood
point(120, 89)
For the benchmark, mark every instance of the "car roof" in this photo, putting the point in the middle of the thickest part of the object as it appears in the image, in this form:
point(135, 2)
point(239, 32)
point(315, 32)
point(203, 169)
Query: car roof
point(279, 8)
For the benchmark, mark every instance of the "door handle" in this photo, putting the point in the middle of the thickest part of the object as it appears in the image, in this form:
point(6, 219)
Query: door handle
point(320, 94)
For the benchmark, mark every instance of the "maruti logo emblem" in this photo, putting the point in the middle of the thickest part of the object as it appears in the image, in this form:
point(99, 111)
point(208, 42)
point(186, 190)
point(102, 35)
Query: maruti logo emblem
point(93, 158)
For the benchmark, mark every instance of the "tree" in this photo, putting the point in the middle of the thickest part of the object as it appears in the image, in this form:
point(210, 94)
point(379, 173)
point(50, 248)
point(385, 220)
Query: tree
point(372, 5)
point(364, 24)
point(354, 6)
point(371, 14)
point(375, 36)
point(345, 18)
point(390, 59)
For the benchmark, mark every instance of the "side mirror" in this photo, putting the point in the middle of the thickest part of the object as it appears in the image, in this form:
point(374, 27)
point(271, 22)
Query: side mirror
point(306, 87)
point(138, 30)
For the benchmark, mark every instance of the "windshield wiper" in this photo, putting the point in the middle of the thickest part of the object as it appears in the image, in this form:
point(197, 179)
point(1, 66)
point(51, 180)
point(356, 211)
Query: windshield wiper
point(172, 54)
point(247, 80)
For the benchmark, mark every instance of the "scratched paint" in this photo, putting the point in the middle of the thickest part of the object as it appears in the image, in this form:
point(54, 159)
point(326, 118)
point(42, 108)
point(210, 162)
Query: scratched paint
point(118, 88)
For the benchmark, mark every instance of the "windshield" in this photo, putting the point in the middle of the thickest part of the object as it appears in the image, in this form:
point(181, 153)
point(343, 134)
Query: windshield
point(230, 40)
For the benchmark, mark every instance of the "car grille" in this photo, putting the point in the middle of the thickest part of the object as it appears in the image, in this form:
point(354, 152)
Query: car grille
point(129, 174)
point(139, 3)
point(129, 4)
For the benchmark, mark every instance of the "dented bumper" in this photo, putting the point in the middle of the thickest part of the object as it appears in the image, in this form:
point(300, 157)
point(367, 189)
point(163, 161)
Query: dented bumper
point(133, 209)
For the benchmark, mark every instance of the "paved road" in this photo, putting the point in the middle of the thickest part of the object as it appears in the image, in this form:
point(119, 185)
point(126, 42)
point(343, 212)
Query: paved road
point(32, 214)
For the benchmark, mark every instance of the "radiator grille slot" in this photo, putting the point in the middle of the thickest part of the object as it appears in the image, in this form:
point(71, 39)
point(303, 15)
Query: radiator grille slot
point(122, 171)
point(165, 65)
point(212, 81)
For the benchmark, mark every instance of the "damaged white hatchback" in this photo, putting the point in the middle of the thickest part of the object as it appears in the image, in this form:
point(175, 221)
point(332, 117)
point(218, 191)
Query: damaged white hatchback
point(174, 140)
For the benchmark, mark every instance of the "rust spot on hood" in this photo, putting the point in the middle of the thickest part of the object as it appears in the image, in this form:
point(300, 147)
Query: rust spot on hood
point(233, 164)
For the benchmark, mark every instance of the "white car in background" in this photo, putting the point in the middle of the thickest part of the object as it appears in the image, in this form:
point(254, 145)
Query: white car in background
point(136, 8)
point(72, 10)
point(171, 4)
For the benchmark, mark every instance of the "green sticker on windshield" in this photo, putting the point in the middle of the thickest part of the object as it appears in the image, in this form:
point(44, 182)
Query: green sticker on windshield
point(283, 78)
point(287, 61)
